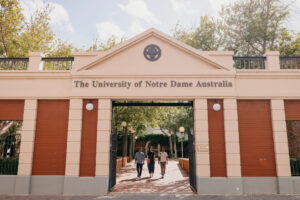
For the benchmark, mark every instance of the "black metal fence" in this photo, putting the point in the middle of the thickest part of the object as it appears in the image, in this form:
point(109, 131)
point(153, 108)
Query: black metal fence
point(295, 166)
point(57, 64)
point(14, 64)
point(10, 140)
point(249, 62)
point(293, 132)
point(290, 62)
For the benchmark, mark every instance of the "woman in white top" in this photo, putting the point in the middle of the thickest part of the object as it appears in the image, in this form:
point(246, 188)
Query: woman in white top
point(163, 161)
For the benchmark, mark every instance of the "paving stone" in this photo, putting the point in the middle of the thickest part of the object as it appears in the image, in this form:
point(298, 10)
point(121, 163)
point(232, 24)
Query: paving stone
point(176, 180)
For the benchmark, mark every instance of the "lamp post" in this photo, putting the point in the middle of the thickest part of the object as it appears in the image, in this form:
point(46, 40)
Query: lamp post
point(134, 141)
point(123, 124)
point(181, 130)
point(132, 144)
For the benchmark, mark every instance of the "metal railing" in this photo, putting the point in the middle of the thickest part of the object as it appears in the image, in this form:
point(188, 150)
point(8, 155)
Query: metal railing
point(14, 64)
point(10, 141)
point(249, 62)
point(290, 62)
point(295, 166)
point(57, 64)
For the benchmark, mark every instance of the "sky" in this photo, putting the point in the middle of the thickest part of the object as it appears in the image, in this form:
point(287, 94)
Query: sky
point(81, 22)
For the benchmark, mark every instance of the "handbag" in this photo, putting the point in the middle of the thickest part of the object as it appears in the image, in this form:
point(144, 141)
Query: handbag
point(148, 161)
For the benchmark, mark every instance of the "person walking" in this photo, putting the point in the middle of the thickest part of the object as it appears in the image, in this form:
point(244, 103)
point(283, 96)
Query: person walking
point(151, 162)
point(163, 161)
point(139, 161)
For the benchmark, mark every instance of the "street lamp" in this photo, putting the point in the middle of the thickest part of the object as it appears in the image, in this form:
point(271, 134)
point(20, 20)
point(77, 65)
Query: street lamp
point(123, 124)
point(131, 142)
point(181, 130)
point(134, 143)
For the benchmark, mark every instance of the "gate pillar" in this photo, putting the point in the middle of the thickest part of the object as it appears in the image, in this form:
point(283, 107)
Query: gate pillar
point(281, 146)
point(27, 146)
point(232, 138)
point(74, 138)
point(201, 138)
point(103, 138)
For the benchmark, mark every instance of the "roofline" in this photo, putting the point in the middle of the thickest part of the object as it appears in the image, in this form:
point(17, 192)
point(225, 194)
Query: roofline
point(148, 33)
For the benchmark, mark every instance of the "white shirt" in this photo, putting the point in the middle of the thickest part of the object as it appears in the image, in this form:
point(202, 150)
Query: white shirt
point(163, 156)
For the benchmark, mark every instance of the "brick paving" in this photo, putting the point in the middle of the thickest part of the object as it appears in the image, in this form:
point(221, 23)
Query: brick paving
point(155, 197)
point(176, 180)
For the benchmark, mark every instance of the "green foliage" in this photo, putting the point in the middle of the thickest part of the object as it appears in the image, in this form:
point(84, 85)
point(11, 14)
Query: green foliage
point(252, 27)
point(181, 116)
point(18, 37)
point(11, 19)
point(137, 117)
point(208, 36)
point(249, 28)
point(110, 43)
point(14, 128)
point(10, 137)
point(141, 117)
point(155, 139)
point(37, 34)
point(291, 47)
point(60, 48)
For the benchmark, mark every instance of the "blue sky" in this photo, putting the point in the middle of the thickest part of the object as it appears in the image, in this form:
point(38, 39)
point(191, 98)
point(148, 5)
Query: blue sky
point(81, 22)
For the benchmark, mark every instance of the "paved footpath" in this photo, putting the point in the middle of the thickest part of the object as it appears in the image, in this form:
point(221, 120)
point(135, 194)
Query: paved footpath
point(176, 180)
point(154, 197)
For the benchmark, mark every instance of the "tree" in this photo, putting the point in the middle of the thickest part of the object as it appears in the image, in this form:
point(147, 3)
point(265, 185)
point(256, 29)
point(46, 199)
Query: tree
point(10, 138)
point(37, 34)
point(18, 37)
point(175, 118)
point(290, 46)
point(208, 36)
point(110, 43)
point(61, 49)
point(138, 118)
point(11, 18)
point(247, 27)
point(254, 26)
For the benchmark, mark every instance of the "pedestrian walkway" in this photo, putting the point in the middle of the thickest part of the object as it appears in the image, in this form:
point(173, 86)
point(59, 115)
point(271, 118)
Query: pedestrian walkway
point(176, 180)
point(129, 196)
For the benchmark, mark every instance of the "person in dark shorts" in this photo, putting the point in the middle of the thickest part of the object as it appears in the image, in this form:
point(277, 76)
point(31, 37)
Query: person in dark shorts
point(139, 160)
point(151, 162)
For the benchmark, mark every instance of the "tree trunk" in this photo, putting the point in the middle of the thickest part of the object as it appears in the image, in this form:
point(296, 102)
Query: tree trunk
point(171, 146)
point(175, 148)
point(6, 126)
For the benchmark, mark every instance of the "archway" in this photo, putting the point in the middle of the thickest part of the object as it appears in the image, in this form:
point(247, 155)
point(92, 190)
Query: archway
point(129, 184)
